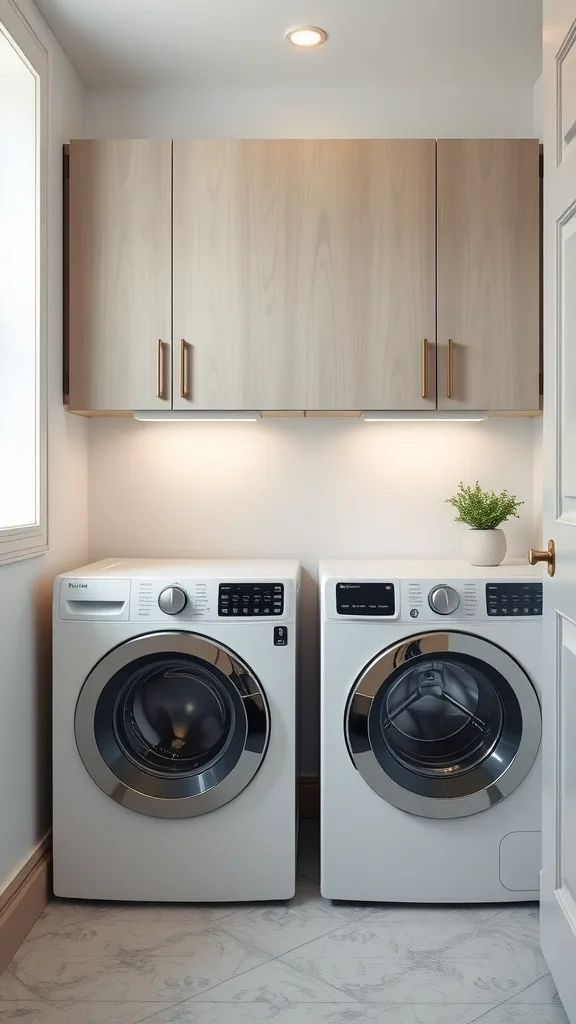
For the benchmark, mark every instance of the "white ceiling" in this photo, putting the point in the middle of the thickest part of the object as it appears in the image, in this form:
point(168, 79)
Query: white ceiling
point(210, 43)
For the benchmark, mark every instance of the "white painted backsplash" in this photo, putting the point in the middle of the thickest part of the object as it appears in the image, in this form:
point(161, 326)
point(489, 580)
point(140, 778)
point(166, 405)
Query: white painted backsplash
point(300, 488)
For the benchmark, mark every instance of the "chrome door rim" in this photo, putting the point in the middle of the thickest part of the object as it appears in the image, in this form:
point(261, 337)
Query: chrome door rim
point(154, 800)
point(487, 787)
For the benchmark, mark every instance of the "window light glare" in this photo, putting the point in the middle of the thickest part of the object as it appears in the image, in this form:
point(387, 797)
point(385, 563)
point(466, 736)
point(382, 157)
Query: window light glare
point(307, 36)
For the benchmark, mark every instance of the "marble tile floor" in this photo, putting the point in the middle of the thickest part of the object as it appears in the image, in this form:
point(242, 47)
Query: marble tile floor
point(306, 962)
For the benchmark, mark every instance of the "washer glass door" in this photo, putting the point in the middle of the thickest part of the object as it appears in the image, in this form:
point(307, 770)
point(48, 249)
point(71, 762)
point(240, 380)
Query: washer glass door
point(443, 724)
point(172, 724)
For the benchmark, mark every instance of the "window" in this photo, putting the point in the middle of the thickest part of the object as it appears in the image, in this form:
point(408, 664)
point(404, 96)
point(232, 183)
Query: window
point(23, 504)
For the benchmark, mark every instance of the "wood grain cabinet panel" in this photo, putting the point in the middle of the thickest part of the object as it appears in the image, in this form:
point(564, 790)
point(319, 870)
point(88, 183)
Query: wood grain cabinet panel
point(120, 278)
point(304, 274)
point(488, 274)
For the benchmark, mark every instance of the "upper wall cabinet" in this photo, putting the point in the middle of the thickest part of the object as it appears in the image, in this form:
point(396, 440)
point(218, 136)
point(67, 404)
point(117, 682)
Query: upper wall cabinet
point(304, 274)
point(120, 279)
point(488, 274)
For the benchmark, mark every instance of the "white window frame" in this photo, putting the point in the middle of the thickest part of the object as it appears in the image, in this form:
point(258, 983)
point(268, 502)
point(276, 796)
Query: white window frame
point(29, 541)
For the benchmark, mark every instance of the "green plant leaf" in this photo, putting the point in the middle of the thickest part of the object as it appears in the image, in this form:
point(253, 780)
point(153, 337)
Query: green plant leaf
point(483, 510)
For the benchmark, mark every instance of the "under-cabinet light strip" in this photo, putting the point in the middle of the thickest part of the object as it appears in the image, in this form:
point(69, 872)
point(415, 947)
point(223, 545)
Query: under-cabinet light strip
point(199, 416)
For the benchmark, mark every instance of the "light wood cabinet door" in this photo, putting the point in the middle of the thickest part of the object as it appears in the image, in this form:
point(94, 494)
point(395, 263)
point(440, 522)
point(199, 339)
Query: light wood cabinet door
point(488, 274)
point(120, 278)
point(304, 274)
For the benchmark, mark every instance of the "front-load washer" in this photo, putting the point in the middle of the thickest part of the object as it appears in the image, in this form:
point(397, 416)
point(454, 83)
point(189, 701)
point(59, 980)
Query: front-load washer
point(430, 731)
point(174, 729)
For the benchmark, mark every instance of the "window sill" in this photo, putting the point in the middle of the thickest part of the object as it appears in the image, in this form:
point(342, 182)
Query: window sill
point(18, 550)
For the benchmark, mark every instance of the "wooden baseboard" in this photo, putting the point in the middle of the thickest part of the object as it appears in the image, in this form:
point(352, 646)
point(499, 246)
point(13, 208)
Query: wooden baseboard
point(23, 901)
point(309, 797)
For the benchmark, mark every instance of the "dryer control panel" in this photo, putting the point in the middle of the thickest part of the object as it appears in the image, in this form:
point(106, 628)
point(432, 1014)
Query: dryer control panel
point(512, 599)
point(432, 600)
point(367, 598)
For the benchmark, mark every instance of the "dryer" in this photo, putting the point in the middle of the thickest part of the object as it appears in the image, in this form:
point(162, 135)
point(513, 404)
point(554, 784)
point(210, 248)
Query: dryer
point(430, 731)
point(174, 730)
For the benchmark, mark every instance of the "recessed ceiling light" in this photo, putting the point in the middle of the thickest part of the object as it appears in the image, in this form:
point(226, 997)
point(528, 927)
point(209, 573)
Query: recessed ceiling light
point(306, 36)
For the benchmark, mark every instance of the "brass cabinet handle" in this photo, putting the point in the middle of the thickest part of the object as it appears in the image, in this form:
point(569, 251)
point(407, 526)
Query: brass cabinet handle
point(185, 386)
point(161, 370)
point(548, 556)
point(425, 368)
point(450, 370)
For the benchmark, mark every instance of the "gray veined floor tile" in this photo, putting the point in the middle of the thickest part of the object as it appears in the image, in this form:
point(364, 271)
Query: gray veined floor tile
point(104, 936)
point(276, 983)
point(39, 971)
point(197, 1012)
point(515, 1014)
point(60, 913)
point(440, 914)
point(28, 1012)
point(376, 962)
point(410, 931)
point(279, 929)
point(543, 991)
point(447, 933)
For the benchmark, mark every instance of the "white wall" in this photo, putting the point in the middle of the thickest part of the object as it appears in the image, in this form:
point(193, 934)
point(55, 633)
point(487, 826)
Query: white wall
point(308, 489)
point(538, 110)
point(288, 113)
point(25, 587)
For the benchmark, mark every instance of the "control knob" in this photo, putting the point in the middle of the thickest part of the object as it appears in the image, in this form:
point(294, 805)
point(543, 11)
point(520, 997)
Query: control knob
point(443, 600)
point(172, 600)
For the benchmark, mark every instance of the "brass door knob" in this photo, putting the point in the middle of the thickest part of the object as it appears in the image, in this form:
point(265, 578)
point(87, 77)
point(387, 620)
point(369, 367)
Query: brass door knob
point(548, 556)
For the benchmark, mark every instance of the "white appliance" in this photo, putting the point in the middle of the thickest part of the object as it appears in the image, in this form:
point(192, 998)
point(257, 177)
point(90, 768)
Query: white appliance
point(430, 731)
point(175, 730)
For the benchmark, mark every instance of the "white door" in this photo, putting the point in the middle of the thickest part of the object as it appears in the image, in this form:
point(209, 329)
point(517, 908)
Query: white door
point(559, 750)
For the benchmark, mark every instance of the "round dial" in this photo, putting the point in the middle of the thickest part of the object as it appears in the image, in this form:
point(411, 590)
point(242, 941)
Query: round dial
point(172, 600)
point(443, 600)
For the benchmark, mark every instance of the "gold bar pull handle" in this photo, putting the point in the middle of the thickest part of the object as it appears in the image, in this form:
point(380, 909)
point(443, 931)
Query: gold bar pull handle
point(450, 370)
point(161, 370)
point(425, 368)
point(185, 382)
point(548, 556)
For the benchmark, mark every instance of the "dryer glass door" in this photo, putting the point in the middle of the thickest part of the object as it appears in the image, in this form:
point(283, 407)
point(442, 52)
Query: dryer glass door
point(172, 724)
point(443, 724)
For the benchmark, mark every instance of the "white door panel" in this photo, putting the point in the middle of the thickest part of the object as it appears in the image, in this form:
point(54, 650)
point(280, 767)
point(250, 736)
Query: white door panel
point(559, 697)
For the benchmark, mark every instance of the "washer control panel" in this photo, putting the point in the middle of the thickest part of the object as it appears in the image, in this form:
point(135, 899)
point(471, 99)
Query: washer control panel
point(242, 599)
point(377, 599)
point(513, 599)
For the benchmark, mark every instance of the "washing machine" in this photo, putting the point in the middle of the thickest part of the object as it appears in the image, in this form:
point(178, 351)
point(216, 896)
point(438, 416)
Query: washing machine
point(174, 729)
point(431, 728)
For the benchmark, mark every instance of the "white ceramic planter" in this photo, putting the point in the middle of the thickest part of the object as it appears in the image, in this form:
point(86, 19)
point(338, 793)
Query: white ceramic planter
point(485, 547)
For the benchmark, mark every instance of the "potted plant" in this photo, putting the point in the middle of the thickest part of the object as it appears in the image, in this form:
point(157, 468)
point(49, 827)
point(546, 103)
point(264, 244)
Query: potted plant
point(483, 512)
